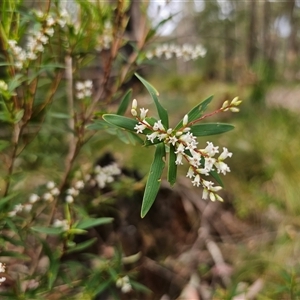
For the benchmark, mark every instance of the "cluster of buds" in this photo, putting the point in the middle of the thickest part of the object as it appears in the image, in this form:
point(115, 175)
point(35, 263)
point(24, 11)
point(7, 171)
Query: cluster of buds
point(37, 39)
point(84, 89)
point(2, 270)
point(123, 283)
point(49, 195)
point(74, 191)
point(63, 224)
point(106, 38)
point(186, 51)
point(105, 175)
point(201, 161)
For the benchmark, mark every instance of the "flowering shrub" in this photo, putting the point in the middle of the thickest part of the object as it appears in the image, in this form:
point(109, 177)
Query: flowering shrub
point(180, 143)
point(48, 97)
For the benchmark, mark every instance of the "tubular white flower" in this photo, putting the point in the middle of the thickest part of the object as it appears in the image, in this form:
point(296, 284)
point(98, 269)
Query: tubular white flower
point(158, 126)
point(178, 160)
point(210, 149)
point(222, 167)
point(143, 113)
point(190, 173)
point(196, 181)
point(224, 154)
point(151, 137)
point(140, 127)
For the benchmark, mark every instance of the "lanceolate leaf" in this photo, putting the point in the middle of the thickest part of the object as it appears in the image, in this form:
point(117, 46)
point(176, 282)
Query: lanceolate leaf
point(154, 179)
point(91, 222)
point(196, 112)
point(120, 121)
point(172, 167)
point(216, 176)
point(124, 103)
point(206, 129)
point(163, 114)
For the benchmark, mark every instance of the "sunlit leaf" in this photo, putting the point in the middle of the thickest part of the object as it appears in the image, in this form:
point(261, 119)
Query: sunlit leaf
point(206, 129)
point(154, 179)
point(163, 114)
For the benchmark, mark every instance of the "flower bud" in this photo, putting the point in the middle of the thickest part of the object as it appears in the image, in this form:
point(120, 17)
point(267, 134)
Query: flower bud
point(133, 112)
point(185, 120)
point(134, 104)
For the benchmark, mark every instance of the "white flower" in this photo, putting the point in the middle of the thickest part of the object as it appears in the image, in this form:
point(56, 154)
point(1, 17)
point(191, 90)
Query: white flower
point(33, 198)
point(158, 126)
point(178, 160)
point(140, 127)
point(190, 173)
point(69, 199)
point(209, 163)
point(55, 191)
point(2, 267)
point(48, 197)
point(151, 137)
point(88, 84)
point(162, 136)
point(79, 184)
point(172, 140)
point(27, 207)
point(222, 167)
point(210, 149)
point(18, 207)
point(50, 21)
point(64, 224)
point(79, 86)
point(50, 185)
point(180, 149)
point(196, 181)
point(49, 31)
point(143, 113)
point(225, 154)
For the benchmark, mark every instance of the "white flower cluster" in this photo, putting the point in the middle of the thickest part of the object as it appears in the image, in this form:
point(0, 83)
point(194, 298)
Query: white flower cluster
point(201, 161)
point(74, 191)
point(104, 175)
point(49, 195)
point(123, 283)
point(84, 89)
point(186, 51)
point(106, 38)
point(2, 270)
point(64, 224)
point(36, 39)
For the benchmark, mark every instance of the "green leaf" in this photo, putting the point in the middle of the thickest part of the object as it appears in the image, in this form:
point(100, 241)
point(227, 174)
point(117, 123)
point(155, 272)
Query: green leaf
point(154, 179)
point(14, 254)
point(196, 112)
point(82, 246)
point(206, 129)
point(216, 176)
point(124, 103)
point(163, 114)
point(48, 230)
point(120, 121)
point(172, 167)
point(99, 125)
point(58, 115)
point(91, 222)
